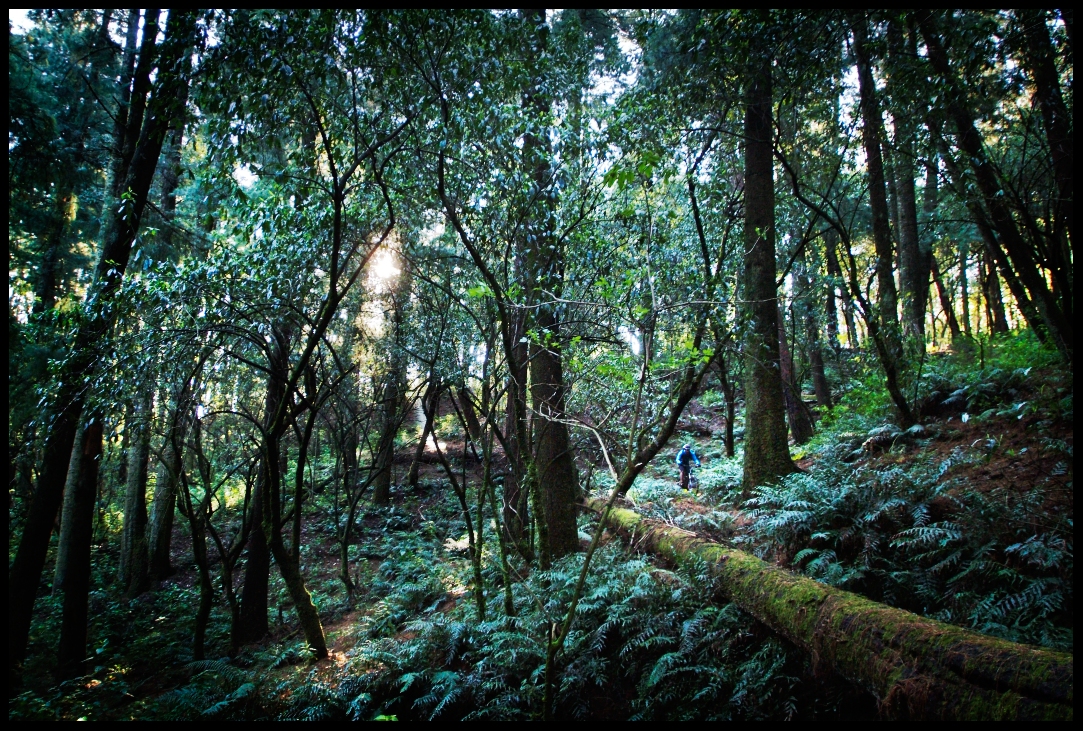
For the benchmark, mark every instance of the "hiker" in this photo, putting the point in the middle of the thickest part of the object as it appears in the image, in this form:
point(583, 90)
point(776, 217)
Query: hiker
point(684, 460)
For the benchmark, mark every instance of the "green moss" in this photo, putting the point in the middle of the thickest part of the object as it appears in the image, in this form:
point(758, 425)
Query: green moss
point(917, 666)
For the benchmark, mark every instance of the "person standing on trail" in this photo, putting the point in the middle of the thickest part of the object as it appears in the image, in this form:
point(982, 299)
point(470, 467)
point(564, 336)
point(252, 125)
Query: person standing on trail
point(684, 460)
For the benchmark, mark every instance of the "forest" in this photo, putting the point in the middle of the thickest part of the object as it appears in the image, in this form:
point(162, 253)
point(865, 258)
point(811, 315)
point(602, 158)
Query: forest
point(540, 364)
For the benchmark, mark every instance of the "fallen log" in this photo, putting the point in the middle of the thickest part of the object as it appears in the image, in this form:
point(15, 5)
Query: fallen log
point(917, 668)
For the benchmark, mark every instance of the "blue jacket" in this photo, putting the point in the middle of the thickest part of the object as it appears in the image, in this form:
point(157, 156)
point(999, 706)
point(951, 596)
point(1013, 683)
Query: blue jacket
point(685, 457)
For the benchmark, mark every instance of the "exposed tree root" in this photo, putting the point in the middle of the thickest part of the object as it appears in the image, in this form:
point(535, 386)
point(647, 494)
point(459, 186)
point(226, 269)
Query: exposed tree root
point(916, 667)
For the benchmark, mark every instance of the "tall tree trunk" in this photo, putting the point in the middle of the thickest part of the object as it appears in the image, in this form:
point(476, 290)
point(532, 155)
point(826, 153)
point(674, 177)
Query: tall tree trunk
point(393, 396)
point(871, 123)
point(516, 487)
point(165, 493)
point(51, 258)
point(553, 461)
point(729, 393)
point(122, 226)
point(964, 290)
point(135, 559)
point(428, 414)
point(797, 415)
point(253, 610)
point(257, 568)
point(834, 270)
point(998, 322)
point(72, 579)
point(767, 455)
point(945, 302)
point(913, 264)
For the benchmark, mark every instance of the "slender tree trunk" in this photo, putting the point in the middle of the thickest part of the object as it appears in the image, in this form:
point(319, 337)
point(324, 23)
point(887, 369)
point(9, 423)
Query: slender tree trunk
point(165, 494)
point(964, 290)
point(51, 259)
point(258, 565)
point(428, 411)
point(945, 302)
point(392, 400)
point(72, 579)
point(135, 561)
point(257, 570)
point(834, 270)
point(729, 393)
point(913, 264)
point(470, 415)
point(516, 486)
point(872, 122)
point(767, 455)
point(796, 414)
point(998, 322)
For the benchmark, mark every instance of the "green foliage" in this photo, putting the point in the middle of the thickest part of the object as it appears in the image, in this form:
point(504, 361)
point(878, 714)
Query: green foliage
point(643, 638)
point(917, 538)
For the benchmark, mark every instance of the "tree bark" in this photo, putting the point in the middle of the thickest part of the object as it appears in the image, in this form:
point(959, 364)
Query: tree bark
point(913, 262)
point(72, 579)
point(998, 321)
point(767, 455)
point(135, 558)
point(393, 395)
point(945, 302)
point(871, 123)
point(553, 461)
point(800, 422)
point(917, 668)
point(834, 270)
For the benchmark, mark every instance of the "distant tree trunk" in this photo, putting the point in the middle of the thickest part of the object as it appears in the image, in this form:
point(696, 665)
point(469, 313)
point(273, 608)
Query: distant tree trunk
point(516, 487)
point(72, 579)
point(805, 311)
point(165, 493)
point(393, 396)
point(729, 393)
point(428, 411)
point(797, 415)
point(964, 290)
point(882, 320)
point(835, 272)
point(834, 279)
point(945, 302)
point(767, 455)
point(872, 122)
point(135, 554)
point(50, 263)
point(553, 460)
point(470, 414)
point(998, 321)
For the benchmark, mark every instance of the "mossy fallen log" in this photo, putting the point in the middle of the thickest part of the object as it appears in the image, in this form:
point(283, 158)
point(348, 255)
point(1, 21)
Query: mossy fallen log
point(917, 668)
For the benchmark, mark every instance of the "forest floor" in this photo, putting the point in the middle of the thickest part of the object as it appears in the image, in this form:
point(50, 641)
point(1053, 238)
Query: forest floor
point(983, 487)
